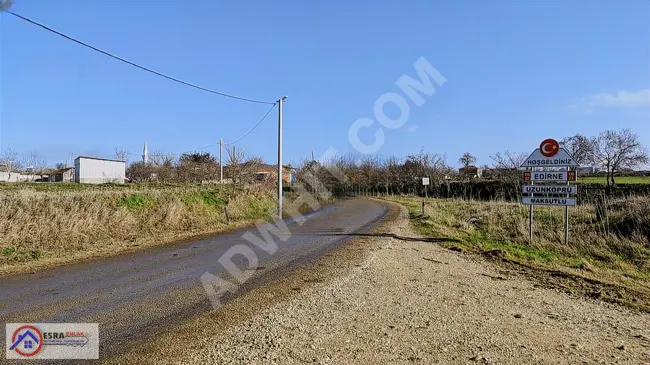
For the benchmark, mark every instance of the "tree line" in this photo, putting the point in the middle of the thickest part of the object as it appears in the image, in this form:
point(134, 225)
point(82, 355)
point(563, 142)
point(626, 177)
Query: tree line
point(611, 151)
point(196, 167)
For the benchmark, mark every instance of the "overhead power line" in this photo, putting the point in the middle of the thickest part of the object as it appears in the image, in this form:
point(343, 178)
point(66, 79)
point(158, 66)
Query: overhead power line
point(252, 129)
point(238, 139)
point(212, 144)
point(138, 66)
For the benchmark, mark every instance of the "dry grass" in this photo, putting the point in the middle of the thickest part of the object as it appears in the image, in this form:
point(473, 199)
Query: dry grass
point(616, 250)
point(42, 226)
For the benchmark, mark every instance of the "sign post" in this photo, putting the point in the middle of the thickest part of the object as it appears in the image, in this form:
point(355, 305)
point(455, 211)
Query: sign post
point(425, 182)
point(566, 218)
point(530, 219)
point(549, 164)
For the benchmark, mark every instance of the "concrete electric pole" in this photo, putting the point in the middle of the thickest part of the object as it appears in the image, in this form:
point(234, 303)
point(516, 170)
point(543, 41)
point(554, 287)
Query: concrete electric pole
point(280, 155)
point(220, 161)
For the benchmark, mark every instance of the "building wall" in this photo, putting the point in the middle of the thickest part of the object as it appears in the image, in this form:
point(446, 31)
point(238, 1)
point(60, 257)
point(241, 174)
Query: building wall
point(288, 176)
point(94, 171)
point(9, 177)
point(66, 176)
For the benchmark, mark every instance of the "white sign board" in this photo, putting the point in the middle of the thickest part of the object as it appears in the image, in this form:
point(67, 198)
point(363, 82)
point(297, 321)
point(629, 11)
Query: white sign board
point(425, 181)
point(549, 176)
point(561, 159)
point(548, 201)
point(550, 189)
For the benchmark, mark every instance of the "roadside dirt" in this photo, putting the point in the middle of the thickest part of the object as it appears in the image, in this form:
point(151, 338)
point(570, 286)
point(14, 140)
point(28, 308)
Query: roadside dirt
point(391, 298)
point(578, 286)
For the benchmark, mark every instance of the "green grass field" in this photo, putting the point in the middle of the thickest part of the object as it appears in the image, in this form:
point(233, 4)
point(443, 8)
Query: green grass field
point(619, 179)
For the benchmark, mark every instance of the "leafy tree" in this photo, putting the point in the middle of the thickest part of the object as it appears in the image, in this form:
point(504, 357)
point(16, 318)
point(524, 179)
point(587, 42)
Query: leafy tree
point(139, 172)
point(467, 159)
point(197, 157)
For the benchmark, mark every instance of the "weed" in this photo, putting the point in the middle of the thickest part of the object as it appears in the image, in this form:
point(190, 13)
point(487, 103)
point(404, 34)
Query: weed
point(134, 202)
point(19, 254)
point(209, 198)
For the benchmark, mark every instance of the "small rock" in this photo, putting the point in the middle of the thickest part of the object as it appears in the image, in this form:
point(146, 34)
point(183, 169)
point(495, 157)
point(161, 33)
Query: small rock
point(622, 348)
point(519, 315)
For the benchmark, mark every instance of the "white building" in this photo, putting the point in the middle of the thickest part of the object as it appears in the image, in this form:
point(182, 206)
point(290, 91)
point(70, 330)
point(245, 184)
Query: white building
point(90, 170)
point(9, 176)
point(586, 169)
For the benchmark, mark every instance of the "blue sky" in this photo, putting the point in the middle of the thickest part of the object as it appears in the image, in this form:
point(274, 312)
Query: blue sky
point(517, 72)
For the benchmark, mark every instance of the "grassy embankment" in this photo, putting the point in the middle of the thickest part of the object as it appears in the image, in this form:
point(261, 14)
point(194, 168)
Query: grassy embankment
point(615, 252)
point(50, 224)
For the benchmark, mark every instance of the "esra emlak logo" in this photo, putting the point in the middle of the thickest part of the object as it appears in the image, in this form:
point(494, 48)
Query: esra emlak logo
point(52, 341)
point(27, 341)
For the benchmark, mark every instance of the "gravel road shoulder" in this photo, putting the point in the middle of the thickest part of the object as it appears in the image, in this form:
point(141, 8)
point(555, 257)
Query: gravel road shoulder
point(380, 299)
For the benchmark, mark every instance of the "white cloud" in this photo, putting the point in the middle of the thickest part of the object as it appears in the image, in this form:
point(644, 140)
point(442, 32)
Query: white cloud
point(618, 99)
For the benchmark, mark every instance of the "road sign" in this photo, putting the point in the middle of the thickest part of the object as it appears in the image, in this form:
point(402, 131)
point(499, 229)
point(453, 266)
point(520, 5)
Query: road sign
point(564, 202)
point(561, 158)
point(550, 189)
point(549, 176)
point(425, 181)
point(549, 154)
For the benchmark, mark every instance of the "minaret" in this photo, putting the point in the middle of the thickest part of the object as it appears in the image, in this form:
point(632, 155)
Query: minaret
point(145, 154)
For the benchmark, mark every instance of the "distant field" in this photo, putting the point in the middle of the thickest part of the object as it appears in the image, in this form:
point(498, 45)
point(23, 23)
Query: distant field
point(619, 180)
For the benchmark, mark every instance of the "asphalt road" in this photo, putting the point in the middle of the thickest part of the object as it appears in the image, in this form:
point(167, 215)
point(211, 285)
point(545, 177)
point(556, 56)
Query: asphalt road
point(139, 295)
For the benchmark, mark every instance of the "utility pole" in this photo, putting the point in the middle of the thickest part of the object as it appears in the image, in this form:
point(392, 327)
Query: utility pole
point(280, 155)
point(313, 169)
point(220, 161)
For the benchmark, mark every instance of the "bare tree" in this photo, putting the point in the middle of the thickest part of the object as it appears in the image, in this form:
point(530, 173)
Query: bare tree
point(163, 164)
point(616, 150)
point(506, 166)
point(121, 154)
point(241, 167)
point(580, 147)
point(35, 164)
point(467, 159)
point(159, 158)
point(8, 160)
point(394, 174)
point(508, 160)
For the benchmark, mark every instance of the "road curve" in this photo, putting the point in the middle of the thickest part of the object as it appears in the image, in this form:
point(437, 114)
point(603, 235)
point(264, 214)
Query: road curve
point(141, 294)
